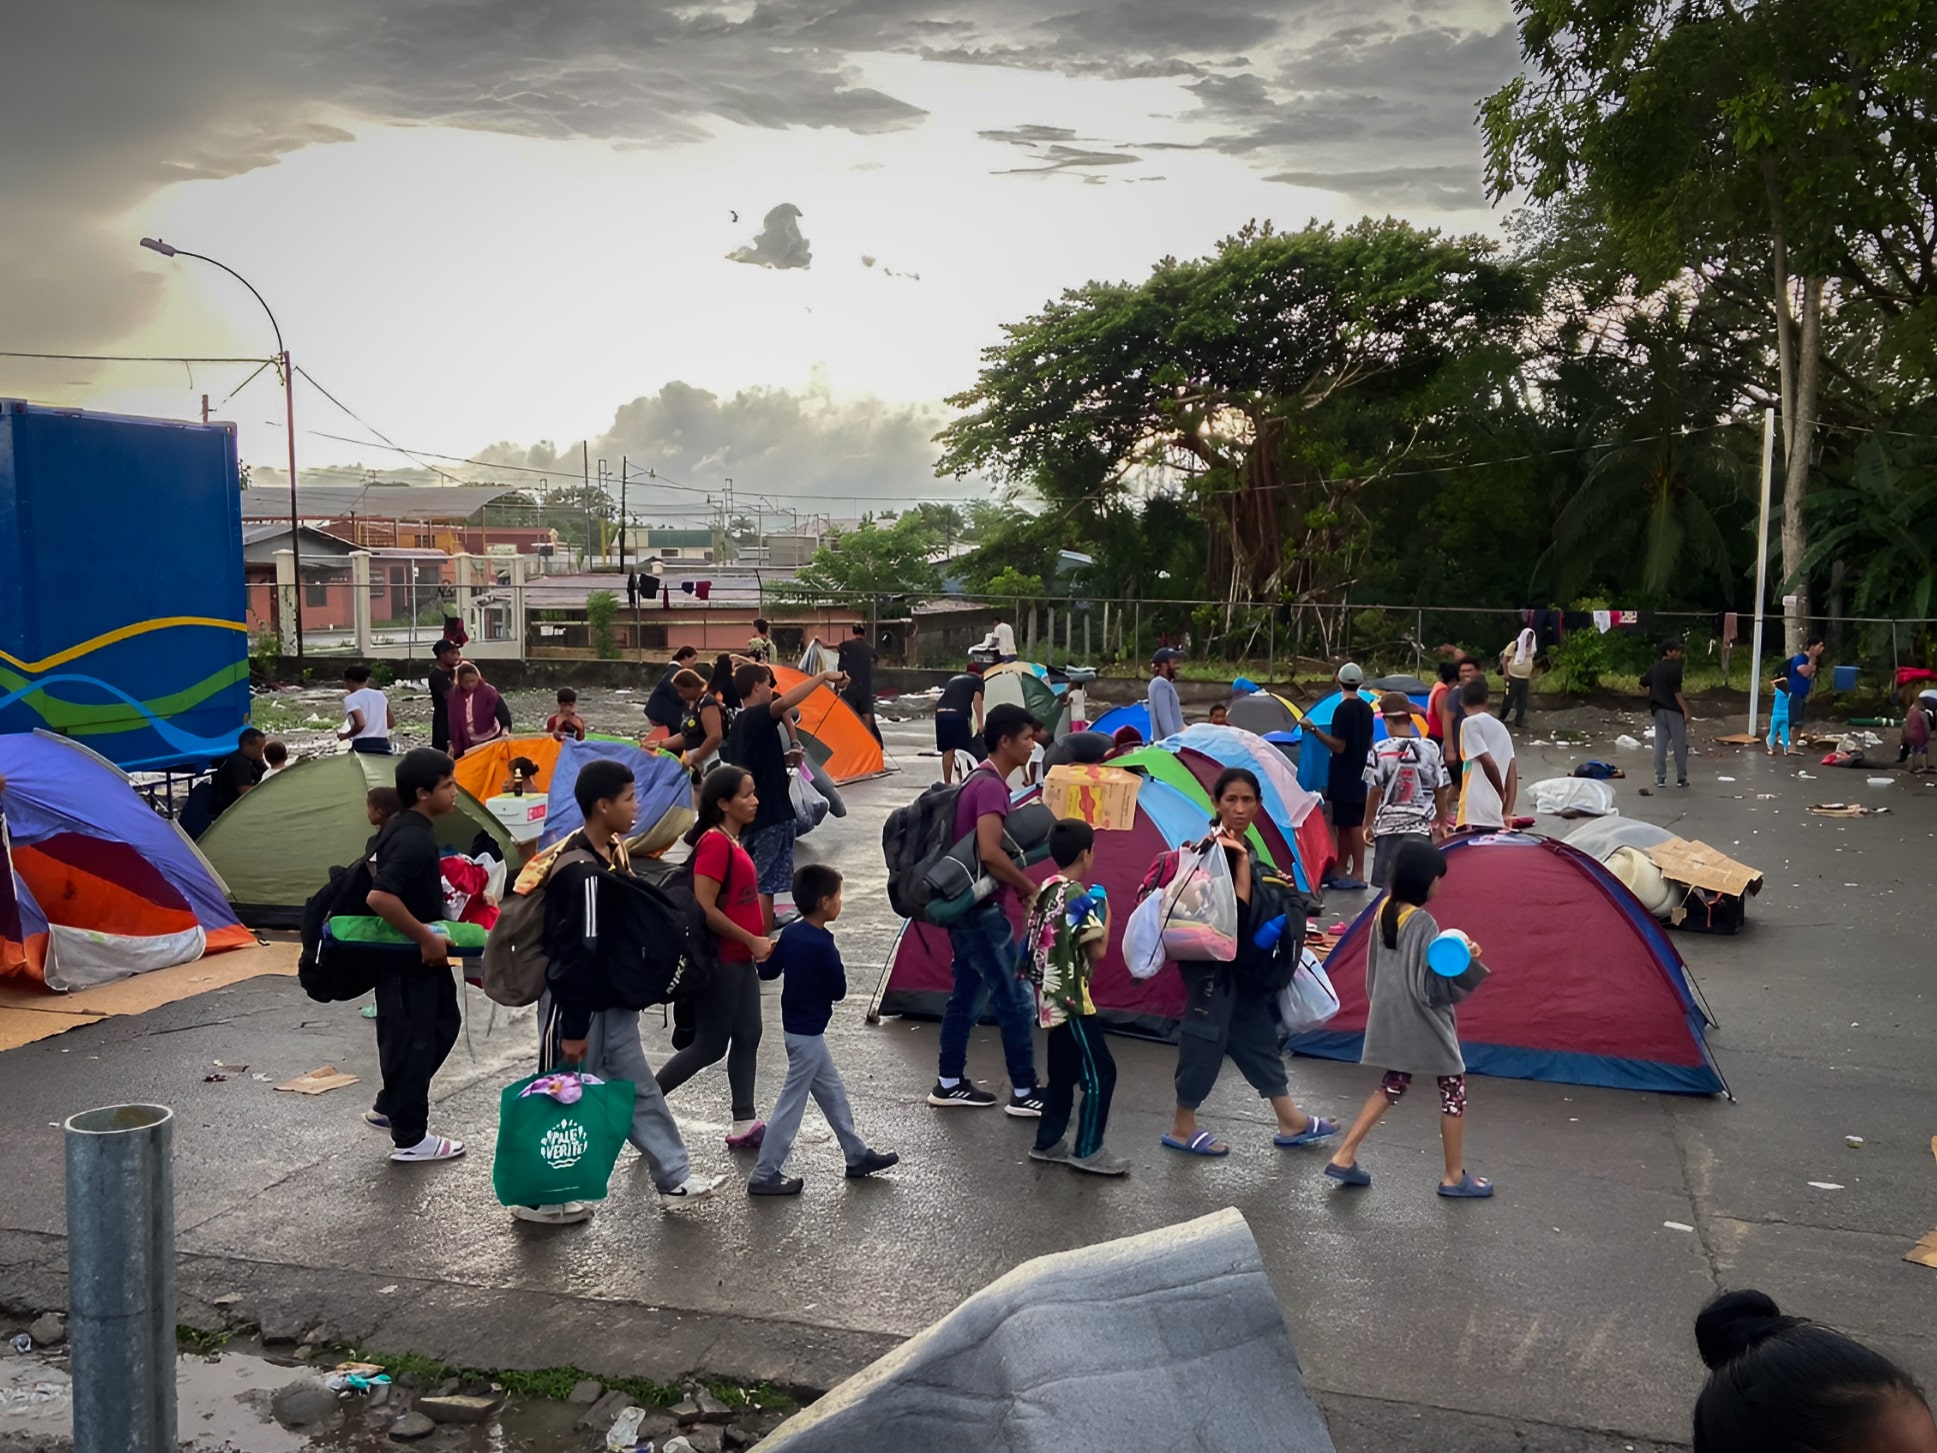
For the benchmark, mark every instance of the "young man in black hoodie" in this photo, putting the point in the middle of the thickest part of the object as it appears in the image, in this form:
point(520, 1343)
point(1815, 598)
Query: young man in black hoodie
point(582, 1027)
point(417, 1018)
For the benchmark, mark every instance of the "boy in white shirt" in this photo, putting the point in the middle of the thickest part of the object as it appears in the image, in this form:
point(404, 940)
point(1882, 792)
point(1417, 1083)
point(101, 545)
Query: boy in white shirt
point(1491, 781)
point(370, 716)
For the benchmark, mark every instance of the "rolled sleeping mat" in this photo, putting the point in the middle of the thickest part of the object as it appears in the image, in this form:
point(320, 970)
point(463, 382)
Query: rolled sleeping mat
point(824, 784)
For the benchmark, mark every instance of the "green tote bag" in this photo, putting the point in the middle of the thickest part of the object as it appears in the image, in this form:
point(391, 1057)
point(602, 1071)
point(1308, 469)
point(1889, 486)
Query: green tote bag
point(550, 1152)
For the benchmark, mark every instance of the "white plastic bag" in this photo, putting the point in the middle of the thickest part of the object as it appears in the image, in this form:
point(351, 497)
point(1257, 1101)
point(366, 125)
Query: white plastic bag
point(1143, 938)
point(809, 806)
point(1309, 999)
point(1200, 912)
point(1573, 797)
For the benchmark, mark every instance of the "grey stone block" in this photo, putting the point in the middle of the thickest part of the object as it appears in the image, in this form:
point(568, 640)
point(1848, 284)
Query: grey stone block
point(586, 1392)
point(1171, 1339)
point(412, 1426)
point(460, 1410)
point(603, 1413)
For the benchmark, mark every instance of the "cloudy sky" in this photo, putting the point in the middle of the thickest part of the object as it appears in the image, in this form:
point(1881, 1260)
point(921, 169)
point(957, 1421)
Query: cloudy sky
point(509, 227)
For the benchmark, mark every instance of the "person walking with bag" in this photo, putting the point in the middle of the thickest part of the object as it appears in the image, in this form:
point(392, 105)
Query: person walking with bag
point(726, 1014)
point(1409, 1025)
point(583, 1027)
point(1229, 1007)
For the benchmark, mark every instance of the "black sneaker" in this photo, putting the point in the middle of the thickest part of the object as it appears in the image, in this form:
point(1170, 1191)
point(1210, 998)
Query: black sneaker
point(964, 1095)
point(1025, 1107)
point(778, 1186)
point(873, 1161)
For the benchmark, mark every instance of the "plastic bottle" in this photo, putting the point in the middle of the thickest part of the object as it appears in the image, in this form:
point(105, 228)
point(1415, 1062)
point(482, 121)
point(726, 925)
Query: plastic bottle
point(1267, 936)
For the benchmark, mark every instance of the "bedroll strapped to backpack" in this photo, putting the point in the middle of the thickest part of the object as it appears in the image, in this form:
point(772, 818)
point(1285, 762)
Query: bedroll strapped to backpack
point(515, 963)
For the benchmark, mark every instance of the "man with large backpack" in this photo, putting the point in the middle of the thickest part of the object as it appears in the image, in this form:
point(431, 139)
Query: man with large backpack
point(984, 940)
point(584, 1018)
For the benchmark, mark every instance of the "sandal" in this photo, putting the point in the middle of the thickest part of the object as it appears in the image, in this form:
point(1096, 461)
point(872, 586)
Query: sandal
point(431, 1147)
point(1319, 1129)
point(1349, 1175)
point(1470, 1188)
point(751, 1140)
point(1202, 1143)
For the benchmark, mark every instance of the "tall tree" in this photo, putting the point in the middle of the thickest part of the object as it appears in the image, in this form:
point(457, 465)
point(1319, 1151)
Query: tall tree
point(873, 559)
point(1804, 125)
point(1279, 377)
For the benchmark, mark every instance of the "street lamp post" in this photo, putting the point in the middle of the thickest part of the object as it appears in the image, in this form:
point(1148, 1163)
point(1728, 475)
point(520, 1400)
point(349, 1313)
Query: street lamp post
point(155, 244)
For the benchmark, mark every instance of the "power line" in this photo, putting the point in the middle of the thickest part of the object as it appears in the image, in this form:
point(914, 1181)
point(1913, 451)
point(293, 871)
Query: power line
point(127, 358)
point(371, 427)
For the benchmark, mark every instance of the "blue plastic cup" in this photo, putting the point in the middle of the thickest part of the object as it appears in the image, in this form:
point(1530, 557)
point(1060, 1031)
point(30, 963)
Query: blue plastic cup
point(1450, 954)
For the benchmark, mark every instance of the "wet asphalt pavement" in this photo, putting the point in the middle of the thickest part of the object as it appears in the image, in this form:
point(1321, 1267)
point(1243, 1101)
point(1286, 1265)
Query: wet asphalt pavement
point(1557, 1316)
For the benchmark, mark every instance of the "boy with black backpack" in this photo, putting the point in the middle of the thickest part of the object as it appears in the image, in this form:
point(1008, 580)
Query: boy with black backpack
point(584, 1027)
point(417, 1018)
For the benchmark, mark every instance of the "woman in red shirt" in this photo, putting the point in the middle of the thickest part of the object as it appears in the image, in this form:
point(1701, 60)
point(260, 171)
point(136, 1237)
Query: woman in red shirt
point(727, 1014)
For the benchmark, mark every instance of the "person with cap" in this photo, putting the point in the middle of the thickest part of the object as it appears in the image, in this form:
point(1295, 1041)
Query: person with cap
point(1410, 786)
point(1350, 743)
point(1166, 711)
point(1669, 708)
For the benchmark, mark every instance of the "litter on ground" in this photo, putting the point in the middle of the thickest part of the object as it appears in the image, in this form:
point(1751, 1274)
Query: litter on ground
point(318, 1081)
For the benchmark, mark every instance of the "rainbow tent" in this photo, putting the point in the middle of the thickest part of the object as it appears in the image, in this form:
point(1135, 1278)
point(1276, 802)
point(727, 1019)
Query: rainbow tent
point(94, 884)
point(1586, 988)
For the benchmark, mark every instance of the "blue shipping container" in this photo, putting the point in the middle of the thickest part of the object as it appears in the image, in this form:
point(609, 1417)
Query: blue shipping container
point(121, 590)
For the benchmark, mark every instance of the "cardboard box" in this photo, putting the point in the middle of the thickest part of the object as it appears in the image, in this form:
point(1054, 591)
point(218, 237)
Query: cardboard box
point(1700, 866)
point(1104, 797)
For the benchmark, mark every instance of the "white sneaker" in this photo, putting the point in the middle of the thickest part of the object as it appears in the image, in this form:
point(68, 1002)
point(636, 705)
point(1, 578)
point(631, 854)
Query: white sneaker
point(693, 1188)
point(431, 1147)
point(565, 1213)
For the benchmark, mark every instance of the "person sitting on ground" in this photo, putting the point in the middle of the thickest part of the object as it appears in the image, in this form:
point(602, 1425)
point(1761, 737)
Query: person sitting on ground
point(275, 758)
point(960, 698)
point(807, 960)
point(380, 804)
point(566, 722)
point(664, 707)
point(369, 713)
point(1410, 788)
point(237, 774)
point(1779, 1384)
point(1065, 938)
point(580, 1024)
point(1409, 1026)
point(1221, 714)
point(417, 1018)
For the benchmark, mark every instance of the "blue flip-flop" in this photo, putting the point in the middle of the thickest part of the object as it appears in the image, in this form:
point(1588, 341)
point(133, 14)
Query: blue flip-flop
point(1319, 1129)
point(1470, 1188)
point(1349, 1175)
point(1202, 1143)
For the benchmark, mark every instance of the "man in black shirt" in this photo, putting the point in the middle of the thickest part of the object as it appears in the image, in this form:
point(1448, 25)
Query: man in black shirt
point(857, 661)
point(443, 672)
point(417, 1018)
point(1350, 741)
point(755, 741)
point(961, 696)
point(237, 774)
point(1670, 710)
point(663, 707)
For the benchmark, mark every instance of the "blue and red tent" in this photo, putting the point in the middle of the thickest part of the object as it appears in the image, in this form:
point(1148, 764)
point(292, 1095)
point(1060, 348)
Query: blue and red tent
point(1586, 988)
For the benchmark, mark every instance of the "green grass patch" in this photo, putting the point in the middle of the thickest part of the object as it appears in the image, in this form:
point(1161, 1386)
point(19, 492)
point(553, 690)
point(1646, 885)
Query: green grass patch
point(553, 1383)
point(202, 1344)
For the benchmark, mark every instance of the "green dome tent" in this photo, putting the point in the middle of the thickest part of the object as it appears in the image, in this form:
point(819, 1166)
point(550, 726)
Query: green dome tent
point(276, 846)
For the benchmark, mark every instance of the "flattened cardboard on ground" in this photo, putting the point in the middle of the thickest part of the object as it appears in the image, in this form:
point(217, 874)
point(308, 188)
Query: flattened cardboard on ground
point(318, 1081)
point(30, 1012)
point(1700, 866)
point(1924, 1253)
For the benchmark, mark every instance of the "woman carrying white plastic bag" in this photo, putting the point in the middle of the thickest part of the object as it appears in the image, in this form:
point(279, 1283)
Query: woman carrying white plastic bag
point(1226, 1012)
point(1309, 1000)
point(1200, 907)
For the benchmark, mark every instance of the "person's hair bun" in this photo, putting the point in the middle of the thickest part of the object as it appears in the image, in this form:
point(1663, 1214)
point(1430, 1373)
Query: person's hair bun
point(1735, 1323)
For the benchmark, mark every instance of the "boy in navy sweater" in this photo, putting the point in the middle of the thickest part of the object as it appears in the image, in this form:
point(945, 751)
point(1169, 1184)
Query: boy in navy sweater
point(814, 981)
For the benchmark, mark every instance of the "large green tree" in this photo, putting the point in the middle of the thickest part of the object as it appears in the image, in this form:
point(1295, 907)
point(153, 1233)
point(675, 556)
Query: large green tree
point(874, 559)
point(1799, 128)
point(1276, 378)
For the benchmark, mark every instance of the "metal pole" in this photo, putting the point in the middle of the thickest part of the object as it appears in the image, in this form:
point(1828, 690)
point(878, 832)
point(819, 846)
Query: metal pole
point(121, 1278)
point(1761, 568)
point(1271, 660)
point(625, 468)
point(295, 524)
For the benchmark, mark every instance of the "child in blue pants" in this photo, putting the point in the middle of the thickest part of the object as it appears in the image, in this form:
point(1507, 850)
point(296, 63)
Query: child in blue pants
point(1779, 715)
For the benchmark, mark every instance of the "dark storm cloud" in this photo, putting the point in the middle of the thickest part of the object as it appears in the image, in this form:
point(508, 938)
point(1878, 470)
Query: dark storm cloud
point(104, 101)
point(1449, 188)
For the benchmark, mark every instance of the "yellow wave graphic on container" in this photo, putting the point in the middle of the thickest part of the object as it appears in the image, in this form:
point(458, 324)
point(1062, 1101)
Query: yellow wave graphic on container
point(119, 633)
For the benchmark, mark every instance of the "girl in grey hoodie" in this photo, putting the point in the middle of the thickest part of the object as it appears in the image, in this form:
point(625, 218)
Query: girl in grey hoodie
point(1409, 1024)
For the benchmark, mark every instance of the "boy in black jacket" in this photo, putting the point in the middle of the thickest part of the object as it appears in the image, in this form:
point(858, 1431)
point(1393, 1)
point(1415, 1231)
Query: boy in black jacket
point(581, 1027)
point(816, 981)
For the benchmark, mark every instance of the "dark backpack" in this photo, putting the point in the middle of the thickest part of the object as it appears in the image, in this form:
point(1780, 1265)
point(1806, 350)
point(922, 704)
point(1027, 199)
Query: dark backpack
point(913, 840)
point(515, 962)
point(700, 947)
point(332, 972)
point(653, 938)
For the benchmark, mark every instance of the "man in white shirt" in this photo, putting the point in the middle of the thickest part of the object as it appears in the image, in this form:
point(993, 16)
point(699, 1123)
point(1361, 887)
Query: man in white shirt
point(1001, 639)
point(1516, 664)
point(370, 716)
point(1166, 711)
point(1490, 782)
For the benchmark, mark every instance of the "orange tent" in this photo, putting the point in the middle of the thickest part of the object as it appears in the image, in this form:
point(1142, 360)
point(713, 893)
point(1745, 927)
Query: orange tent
point(482, 771)
point(853, 751)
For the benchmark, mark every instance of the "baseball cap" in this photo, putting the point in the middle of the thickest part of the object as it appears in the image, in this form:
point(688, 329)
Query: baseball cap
point(1166, 653)
point(1395, 703)
point(1350, 675)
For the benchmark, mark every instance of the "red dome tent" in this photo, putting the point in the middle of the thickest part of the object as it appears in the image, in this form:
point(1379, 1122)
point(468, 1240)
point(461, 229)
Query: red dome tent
point(1586, 988)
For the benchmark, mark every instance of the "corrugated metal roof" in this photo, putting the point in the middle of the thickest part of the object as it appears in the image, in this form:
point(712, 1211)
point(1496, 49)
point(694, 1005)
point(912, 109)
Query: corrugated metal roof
point(376, 501)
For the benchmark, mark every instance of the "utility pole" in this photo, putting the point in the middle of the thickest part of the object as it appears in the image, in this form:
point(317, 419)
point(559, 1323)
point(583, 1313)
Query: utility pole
point(625, 467)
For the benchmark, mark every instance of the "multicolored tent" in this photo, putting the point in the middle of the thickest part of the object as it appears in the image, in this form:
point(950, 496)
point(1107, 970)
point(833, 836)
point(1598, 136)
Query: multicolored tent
point(658, 779)
point(1026, 684)
point(94, 884)
point(851, 750)
point(1586, 988)
point(1264, 712)
point(920, 975)
point(276, 846)
point(1136, 714)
